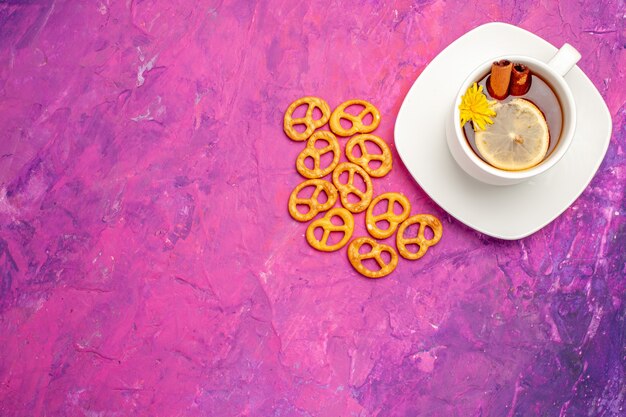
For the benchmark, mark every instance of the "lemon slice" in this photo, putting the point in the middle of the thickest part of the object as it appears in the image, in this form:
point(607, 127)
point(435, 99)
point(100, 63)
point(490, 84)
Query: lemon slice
point(518, 138)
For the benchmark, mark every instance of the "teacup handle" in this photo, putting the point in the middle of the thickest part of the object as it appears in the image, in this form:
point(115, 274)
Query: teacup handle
point(565, 59)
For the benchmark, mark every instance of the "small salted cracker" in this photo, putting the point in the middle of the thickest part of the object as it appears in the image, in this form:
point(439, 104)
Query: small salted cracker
point(357, 125)
point(424, 220)
point(371, 220)
point(307, 121)
point(311, 151)
point(366, 157)
point(327, 226)
point(376, 249)
point(312, 202)
point(365, 197)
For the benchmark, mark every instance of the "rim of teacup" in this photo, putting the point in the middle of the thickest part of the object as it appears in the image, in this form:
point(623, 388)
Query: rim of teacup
point(563, 94)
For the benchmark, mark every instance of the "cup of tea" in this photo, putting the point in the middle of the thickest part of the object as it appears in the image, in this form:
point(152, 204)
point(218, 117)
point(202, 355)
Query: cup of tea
point(513, 118)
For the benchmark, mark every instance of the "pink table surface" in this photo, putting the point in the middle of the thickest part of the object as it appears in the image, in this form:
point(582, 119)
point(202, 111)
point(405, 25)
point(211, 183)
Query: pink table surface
point(149, 266)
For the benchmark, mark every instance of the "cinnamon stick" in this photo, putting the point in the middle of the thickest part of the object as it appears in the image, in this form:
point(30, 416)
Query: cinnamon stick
point(498, 81)
point(520, 80)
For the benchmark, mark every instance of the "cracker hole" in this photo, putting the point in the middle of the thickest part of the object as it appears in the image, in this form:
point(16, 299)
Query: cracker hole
point(429, 233)
point(317, 113)
point(299, 127)
point(374, 164)
point(337, 221)
point(306, 192)
point(412, 247)
point(380, 208)
point(318, 232)
point(359, 182)
point(368, 119)
point(397, 208)
point(373, 148)
point(345, 123)
point(365, 248)
point(300, 111)
point(309, 162)
point(386, 256)
point(334, 238)
point(383, 224)
point(302, 208)
point(321, 143)
point(354, 109)
point(343, 177)
point(326, 159)
point(322, 197)
point(356, 152)
point(353, 198)
point(411, 231)
point(371, 264)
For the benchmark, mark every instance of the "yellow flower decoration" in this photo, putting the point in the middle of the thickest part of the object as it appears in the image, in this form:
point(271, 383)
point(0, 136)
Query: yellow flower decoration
point(476, 108)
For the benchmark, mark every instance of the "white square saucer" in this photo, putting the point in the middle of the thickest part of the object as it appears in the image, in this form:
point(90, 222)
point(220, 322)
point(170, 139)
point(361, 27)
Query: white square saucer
point(505, 212)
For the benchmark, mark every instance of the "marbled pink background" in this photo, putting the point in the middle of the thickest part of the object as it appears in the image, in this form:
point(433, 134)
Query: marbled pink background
point(149, 267)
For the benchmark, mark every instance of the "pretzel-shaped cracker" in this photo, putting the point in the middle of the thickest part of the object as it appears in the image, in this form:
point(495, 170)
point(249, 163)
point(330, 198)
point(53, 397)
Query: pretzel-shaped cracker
point(356, 121)
point(312, 202)
point(326, 224)
point(393, 219)
point(356, 258)
point(308, 121)
point(315, 153)
point(349, 188)
point(364, 160)
point(424, 220)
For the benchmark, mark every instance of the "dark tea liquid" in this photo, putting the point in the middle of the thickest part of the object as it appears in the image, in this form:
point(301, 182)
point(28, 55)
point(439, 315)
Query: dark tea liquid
point(542, 96)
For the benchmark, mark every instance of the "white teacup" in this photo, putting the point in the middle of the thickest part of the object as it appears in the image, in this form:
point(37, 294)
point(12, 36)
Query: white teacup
point(552, 72)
